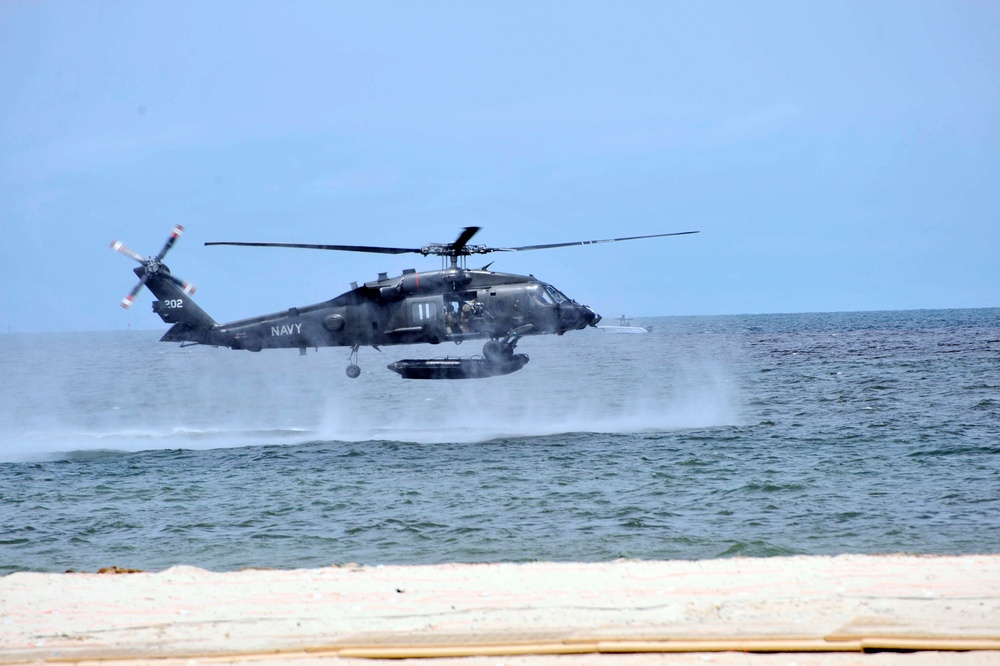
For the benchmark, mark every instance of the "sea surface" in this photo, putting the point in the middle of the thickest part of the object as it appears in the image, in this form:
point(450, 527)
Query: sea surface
point(756, 435)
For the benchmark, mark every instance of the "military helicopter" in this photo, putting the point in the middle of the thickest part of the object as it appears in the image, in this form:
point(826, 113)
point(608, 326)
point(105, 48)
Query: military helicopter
point(453, 304)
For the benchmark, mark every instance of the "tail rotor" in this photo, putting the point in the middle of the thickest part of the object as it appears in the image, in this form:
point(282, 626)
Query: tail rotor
point(152, 267)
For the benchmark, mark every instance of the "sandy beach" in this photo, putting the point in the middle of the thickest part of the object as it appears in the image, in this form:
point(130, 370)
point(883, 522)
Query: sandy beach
point(801, 610)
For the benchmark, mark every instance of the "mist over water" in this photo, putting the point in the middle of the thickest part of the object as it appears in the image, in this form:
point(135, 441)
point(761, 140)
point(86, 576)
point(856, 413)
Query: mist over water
point(711, 436)
point(127, 392)
point(570, 390)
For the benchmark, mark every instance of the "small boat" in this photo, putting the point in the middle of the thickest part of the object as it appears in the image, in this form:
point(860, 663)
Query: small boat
point(625, 326)
point(475, 367)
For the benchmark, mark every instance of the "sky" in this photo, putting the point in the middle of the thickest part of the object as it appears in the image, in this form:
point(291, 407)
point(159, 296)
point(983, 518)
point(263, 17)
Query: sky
point(834, 155)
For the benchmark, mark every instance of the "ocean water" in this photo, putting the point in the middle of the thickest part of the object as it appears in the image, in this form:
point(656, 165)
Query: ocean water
point(757, 435)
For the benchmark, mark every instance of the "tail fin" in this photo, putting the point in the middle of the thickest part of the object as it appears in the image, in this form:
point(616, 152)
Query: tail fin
point(175, 306)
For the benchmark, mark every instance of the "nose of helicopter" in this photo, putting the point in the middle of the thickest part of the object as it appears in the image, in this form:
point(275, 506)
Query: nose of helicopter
point(579, 316)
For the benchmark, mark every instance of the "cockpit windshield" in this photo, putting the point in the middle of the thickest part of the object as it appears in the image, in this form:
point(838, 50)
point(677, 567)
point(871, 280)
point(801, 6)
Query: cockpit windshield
point(556, 295)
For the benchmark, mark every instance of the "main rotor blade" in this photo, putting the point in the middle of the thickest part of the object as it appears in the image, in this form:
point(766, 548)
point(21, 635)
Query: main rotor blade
point(121, 247)
point(463, 240)
point(590, 242)
point(457, 248)
point(310, 246)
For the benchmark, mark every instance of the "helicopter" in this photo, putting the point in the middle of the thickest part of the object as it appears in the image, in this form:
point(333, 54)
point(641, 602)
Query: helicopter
point(453, 304)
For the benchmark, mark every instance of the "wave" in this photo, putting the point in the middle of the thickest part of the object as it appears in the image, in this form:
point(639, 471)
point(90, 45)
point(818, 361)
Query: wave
point(89, 445)
point(340, 427)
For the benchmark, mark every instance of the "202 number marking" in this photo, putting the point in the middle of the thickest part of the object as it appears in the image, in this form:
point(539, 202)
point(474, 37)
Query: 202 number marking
point(173, 303)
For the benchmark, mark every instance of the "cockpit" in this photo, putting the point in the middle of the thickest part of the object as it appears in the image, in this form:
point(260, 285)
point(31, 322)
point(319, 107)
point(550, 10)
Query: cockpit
point(549, 295)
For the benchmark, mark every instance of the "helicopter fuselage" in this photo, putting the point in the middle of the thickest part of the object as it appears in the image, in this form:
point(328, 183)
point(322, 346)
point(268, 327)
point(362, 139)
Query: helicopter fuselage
point(449, 305)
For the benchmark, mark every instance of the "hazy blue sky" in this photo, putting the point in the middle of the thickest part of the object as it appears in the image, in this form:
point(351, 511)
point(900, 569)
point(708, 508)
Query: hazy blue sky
point(834, 155)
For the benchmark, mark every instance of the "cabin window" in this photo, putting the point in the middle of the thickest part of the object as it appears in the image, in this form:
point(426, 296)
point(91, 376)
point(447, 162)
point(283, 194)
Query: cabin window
point(424, 311)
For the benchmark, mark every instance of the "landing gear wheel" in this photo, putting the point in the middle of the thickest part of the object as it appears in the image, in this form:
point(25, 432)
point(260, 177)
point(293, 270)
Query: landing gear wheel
point(352, 368)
